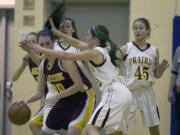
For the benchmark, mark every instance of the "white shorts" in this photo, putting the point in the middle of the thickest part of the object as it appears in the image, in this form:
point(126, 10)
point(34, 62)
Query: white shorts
point(47, 109)
point(145, 100)
point(113, 109)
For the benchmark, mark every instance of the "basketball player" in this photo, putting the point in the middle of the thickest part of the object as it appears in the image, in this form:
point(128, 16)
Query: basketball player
point(28, 59)
point(140, 68)
point(116, 98)
point(33, 61)
point(74, 96)
point(37, 120)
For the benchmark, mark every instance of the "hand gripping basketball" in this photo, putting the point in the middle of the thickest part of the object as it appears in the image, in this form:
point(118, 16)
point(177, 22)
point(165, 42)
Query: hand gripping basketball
point(19, 113)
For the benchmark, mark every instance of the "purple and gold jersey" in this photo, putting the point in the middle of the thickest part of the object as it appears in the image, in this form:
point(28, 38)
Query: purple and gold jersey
point(59, 46)
point(56, 76)
point(34, 69)
point(59, 78)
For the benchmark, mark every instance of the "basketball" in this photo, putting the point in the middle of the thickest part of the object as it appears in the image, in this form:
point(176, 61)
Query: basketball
point(19, 113)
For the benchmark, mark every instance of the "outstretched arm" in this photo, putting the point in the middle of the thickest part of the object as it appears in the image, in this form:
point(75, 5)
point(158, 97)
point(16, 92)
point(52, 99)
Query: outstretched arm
point(34, 56)
point(86, 55)
point(72, 41)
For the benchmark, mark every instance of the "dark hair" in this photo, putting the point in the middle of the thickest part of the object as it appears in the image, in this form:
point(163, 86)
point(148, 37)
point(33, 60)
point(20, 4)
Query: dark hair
point(145, 22)
point(102, 33)
point(74, 35)
point(44, 33)
point(56, 15)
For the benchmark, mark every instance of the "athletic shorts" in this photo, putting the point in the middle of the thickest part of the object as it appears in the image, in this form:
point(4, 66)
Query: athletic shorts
point(113, 109)
point(64, 114)
point(145, 100)
point(37, 118)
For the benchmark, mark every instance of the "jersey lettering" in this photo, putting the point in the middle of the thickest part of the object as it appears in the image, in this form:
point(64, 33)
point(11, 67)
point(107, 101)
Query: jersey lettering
point(142, 73)
point(59, 87)
point(56, 77)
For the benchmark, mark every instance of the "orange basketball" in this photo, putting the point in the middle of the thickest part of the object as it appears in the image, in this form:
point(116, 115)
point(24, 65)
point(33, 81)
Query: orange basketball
point(19, 113)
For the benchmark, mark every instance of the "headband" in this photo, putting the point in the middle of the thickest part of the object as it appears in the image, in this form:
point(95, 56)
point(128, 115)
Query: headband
point(97, 34)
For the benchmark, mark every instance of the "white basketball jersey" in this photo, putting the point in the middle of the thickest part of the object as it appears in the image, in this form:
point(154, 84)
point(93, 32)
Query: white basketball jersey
point(139, 66)
point(59, 47)
point(105, 72)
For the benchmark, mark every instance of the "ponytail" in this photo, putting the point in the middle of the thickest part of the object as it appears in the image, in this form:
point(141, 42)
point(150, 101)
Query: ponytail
point(102, 33)
point(113, 53)
point(57, 16)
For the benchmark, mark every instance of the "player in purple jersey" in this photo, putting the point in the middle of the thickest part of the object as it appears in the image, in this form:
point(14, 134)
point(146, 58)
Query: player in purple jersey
point(75, 98)
point(31, 60)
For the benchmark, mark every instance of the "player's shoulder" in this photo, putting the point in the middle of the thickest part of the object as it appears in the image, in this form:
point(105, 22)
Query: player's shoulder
point(152, 46)
point(126, 47)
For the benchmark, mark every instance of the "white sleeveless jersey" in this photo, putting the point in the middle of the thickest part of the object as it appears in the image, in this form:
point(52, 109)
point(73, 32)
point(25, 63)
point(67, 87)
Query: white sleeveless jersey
point(58, 47)
point(105, 72)
point(139, 66)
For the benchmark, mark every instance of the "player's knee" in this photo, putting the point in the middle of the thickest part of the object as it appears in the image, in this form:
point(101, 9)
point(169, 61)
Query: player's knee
point(32, 125)
point(84, 132)
point(91, 129)
point(73, 131)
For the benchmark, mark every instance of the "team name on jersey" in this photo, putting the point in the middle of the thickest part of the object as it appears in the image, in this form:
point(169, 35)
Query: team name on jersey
point(140, 60)
point(35, 70)
point(55, 77)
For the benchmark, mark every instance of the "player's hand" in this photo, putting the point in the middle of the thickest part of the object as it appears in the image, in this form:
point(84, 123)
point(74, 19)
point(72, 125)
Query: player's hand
point(164, 65)
point(171, 97)
point(53, 28)
point(20, 102)
point(34, 47)
point(23, 45)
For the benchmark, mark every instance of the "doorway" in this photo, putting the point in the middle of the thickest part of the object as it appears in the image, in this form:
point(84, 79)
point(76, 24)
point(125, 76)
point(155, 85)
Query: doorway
point(6, 46)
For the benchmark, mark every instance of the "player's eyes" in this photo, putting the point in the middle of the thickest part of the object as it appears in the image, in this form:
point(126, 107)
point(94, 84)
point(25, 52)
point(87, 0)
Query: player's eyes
point(42, 45)
point(67, 26)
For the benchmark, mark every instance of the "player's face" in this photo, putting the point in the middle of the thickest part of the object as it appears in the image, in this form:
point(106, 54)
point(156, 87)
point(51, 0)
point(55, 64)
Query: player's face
point(90, 39)
point(31, 39)
point(140, 31)
point(67, 28)
point(46, 42)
